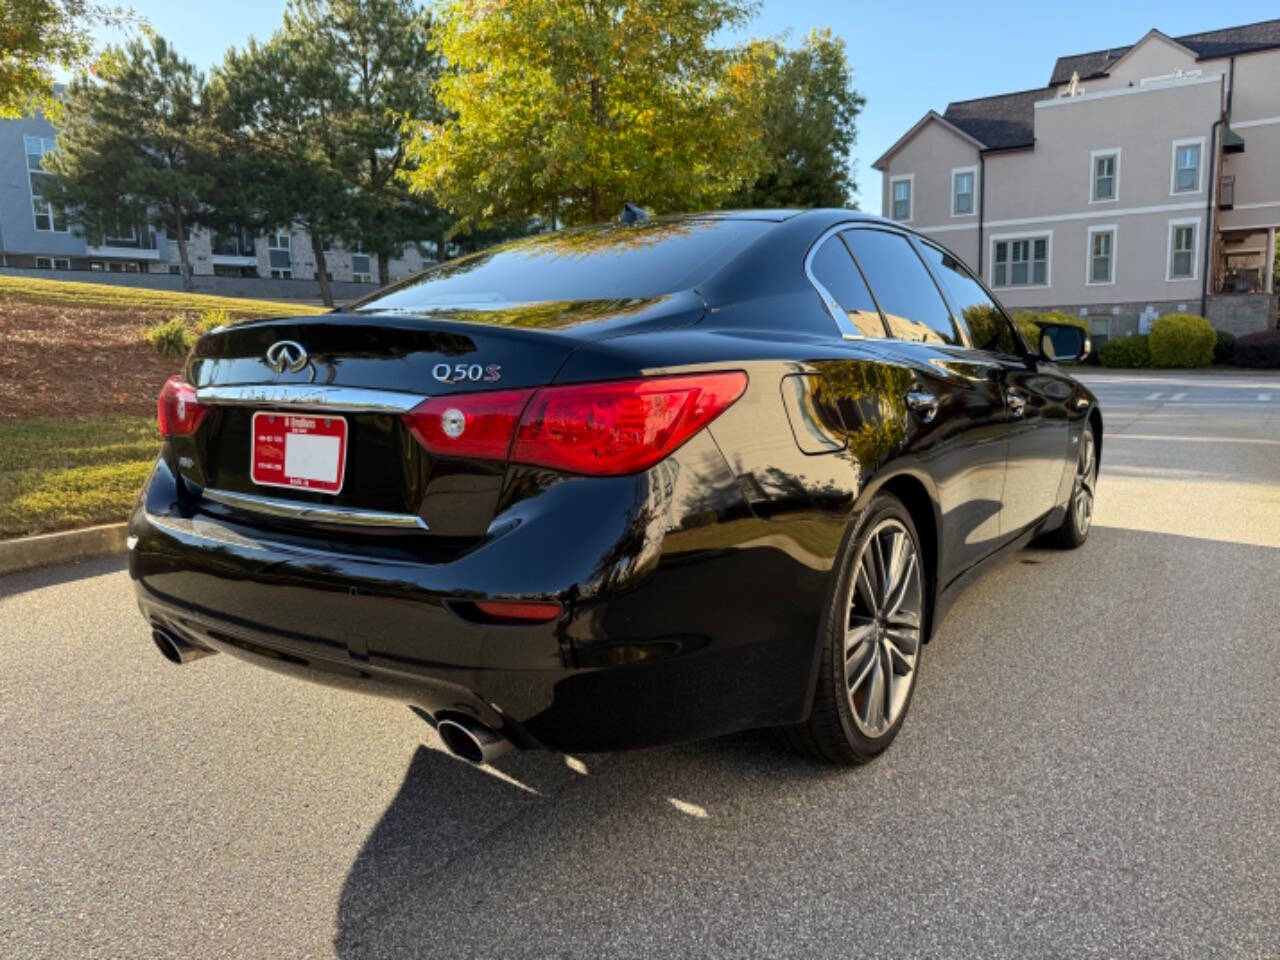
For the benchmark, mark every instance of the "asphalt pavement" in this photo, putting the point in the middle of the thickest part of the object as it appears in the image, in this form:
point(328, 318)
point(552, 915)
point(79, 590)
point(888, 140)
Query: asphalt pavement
point(1090, 769)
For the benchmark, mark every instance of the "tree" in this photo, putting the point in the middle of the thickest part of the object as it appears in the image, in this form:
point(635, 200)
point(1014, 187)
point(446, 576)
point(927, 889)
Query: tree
point(134, 146)
point(36, 38)
point(810, 124)
point(381, 48)
point(281, 112)
point(568, 110)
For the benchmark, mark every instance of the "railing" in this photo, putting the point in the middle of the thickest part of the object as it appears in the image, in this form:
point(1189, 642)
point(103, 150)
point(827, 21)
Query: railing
point(1227, 192)
point(222, 246)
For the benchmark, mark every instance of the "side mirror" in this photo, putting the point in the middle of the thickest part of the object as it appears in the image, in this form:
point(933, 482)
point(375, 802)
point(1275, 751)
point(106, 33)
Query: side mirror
point(1064, 343)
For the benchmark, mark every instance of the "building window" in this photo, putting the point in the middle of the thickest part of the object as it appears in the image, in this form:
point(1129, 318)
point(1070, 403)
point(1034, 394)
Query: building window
point(45, 215)
point(279, 274)
point(1182, 249)
point(361, 278)
point(53, 263)
point(1106, 176)
point(1186, 165)
point(962, 183)
point(1020, 262)
point(1102, 255)
point(900, 190)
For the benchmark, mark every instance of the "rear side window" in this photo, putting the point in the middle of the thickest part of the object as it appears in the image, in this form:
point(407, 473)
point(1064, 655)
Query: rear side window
point(989, 329)
point(913, 308)
point(835, 270)
point(595, 263)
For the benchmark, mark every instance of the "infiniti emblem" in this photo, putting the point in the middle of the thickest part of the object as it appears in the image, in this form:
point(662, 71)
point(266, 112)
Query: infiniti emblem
point(287, 355)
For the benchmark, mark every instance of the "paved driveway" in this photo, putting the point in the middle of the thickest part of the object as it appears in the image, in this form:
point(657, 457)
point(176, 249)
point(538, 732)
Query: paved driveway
point(1090, 769)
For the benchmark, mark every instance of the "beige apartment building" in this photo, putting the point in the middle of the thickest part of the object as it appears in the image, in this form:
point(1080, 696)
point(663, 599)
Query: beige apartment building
point(1140, 181)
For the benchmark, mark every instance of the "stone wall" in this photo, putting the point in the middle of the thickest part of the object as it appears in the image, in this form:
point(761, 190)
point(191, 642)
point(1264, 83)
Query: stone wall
point(1234, 313)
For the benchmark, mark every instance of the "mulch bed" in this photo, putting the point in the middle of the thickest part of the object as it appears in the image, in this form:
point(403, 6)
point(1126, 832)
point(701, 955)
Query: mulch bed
point(60, 360)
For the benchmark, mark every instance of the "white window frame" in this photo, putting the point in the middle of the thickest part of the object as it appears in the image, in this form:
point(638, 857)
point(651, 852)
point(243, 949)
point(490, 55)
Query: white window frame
point(1112, 229)
point(910, 180)
point(1194, 223)
point(1173, 167)
point(1046, 236)
point(973, 193)
point(1093, 175)
point(40, 207)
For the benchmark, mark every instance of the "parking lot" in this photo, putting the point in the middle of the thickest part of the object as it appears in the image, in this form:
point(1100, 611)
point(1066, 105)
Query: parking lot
point(1090, 768)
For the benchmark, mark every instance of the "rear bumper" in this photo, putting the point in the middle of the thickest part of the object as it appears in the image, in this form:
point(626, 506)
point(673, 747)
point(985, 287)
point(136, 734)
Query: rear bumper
point(690, 634)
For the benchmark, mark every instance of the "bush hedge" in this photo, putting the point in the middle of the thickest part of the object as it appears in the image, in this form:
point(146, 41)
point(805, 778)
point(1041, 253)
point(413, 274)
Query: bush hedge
point(1261, 349)
point(1182, 340)
point(1224, 348)
point(172, 338)
point(1127, 353)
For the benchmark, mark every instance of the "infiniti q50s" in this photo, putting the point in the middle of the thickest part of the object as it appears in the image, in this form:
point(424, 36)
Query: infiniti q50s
point(618, 486)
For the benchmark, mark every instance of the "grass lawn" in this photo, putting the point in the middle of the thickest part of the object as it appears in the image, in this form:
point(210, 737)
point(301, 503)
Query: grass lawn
point(111, 297)
point(59, 473)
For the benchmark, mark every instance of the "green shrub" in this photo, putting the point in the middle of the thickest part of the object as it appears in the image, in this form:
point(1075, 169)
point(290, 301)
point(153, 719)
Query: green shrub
point(1261, 349)
point(172, 338)
point(1182, 340)
point(209, 319)
point(1224, 348)
point(1127, 353)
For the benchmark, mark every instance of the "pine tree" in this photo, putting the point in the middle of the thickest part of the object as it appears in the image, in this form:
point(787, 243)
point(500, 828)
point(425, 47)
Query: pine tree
point(135, 147)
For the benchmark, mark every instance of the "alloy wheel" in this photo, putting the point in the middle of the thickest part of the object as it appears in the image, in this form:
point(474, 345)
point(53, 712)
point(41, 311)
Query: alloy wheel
point(1086, 476)
point(883, 628)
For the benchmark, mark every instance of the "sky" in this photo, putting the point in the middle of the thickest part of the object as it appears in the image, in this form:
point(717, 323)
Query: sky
point(908, 58)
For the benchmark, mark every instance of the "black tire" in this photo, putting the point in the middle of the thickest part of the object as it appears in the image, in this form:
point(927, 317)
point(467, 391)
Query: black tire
point(1079, 519)
point(840, 728)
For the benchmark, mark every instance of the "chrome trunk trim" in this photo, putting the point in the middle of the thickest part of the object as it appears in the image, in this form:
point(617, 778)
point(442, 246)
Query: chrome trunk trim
point(321, 513)
point(304, 396)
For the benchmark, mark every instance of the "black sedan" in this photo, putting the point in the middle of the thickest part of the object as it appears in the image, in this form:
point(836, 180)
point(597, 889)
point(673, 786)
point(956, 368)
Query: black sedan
point(618, 486)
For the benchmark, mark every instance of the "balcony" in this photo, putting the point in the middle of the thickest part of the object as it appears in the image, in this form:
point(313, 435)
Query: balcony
point(233, 249)
point(137, 244)
point(1227, 192)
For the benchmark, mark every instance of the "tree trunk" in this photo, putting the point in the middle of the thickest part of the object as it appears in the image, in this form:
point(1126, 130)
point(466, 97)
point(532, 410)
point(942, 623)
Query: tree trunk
point(184, 259)
point(384, 270)
point(440, 245)
point(322, 269)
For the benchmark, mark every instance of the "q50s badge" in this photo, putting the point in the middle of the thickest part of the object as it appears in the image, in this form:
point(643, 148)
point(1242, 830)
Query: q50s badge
point(467, 372)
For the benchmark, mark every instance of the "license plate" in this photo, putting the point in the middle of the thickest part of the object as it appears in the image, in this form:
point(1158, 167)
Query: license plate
point(298, 452)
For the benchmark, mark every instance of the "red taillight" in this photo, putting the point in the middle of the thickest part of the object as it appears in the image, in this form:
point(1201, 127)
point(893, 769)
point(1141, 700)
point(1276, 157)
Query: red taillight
point(177, 411)
point(519, 611)
point(475, 425)
point(598, 429)
point(620, 427)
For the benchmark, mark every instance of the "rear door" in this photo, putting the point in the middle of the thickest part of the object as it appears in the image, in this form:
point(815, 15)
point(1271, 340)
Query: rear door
point(1035, 395)
point(952, 400)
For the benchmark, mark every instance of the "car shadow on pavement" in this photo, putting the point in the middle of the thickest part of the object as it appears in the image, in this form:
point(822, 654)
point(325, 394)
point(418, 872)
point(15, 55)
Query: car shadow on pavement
point(12, 584)
point(461, 855)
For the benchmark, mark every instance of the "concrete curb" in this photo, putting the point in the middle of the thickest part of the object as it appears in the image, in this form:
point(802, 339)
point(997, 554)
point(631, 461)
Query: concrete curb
point(48, 548)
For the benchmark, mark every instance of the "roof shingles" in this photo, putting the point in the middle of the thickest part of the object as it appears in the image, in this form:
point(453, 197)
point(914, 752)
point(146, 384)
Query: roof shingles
point(1207, 45)
point(1002, 122)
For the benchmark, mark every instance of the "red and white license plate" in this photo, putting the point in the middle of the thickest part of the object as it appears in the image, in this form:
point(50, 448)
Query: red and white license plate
point(299, 452)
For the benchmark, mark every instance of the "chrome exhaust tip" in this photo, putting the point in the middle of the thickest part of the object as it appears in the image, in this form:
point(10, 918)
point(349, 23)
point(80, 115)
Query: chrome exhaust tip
point(176, 650)
point(472, 740)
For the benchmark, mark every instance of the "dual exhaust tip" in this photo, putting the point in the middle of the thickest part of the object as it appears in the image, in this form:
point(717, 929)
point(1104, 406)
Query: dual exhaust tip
point(463, 736)
point(471, 740)
point(175, 649)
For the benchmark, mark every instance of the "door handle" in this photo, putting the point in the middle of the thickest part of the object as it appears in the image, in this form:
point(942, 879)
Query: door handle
point(923, 404)
point(1017, 403)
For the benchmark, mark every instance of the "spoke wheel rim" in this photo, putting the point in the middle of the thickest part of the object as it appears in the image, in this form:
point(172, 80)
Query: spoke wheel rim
point(883, 628)
point(1086, 475)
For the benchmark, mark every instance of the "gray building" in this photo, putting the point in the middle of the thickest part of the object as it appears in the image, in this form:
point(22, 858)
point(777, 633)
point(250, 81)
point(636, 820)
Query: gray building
point(33, 235)
point(1141, 180)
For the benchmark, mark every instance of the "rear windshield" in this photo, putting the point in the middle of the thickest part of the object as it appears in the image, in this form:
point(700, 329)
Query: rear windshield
point(645, 260)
